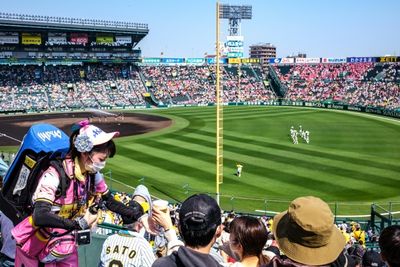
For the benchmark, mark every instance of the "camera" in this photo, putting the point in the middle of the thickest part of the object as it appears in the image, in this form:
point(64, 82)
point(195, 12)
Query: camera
point(83, 237)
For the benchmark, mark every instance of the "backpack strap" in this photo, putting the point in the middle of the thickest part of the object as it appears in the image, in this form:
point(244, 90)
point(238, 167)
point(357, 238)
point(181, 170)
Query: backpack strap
point(92, 188)
point(64, 179)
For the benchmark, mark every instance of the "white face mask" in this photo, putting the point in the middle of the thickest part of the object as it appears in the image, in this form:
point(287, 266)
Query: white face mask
point(98, 166)
point(95, 167)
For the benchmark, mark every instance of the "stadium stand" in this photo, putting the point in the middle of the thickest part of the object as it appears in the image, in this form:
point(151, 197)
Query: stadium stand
point(363, 84)
point(195, 84)
point(59, 87)
point(43, 88)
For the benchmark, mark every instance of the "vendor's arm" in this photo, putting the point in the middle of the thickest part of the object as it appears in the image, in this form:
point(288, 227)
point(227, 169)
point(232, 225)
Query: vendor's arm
point(130, 213)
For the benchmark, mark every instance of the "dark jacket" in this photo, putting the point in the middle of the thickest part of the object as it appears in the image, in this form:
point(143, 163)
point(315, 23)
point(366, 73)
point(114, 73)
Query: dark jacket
point(186, 257)
point(342, 261)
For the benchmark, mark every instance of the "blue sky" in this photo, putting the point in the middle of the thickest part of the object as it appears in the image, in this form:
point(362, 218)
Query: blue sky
point(186, 28)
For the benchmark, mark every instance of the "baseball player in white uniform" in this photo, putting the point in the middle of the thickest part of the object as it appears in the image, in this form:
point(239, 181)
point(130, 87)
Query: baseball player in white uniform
point(307, 137)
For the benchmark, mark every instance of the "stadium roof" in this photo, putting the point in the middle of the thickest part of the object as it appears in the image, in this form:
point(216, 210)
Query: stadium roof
point(18, 22)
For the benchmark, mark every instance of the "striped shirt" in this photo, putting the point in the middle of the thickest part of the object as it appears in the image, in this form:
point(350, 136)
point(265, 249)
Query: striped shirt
point(127, 249)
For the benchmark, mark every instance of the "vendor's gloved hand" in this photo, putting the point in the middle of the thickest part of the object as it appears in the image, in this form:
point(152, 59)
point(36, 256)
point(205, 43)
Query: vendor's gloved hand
point(87, 220)
point(91, 215)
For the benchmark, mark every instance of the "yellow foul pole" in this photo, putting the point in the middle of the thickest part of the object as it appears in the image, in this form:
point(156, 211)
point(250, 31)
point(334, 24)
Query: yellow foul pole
point(219, 129)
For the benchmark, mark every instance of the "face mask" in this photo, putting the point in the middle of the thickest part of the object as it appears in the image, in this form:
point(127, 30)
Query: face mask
point(95, 167)
point(98, 166)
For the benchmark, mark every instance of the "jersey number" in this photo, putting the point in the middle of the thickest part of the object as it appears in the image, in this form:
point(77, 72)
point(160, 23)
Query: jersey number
point(115, 263)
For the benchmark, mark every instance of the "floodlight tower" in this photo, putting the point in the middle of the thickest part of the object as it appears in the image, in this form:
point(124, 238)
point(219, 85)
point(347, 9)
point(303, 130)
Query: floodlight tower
point(234, 14)
point(234, 43)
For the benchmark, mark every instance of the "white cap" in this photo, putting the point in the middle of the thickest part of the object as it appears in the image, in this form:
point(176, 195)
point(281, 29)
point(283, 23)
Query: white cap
point(96, 135)
point(90, 136)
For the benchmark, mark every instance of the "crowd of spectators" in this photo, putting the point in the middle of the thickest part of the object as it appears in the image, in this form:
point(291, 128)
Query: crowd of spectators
point(94, 86)
point(69, 87)
point(236, 240)
point(196, 84)
point(51, 87)
point(364, 84)
point(252, 88)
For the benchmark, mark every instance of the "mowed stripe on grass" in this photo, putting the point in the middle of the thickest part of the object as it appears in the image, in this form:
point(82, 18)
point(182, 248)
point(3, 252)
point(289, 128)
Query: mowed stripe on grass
point(350, 158)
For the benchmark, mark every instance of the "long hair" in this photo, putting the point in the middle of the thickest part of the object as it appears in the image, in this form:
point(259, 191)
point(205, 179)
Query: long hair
point(251, 234)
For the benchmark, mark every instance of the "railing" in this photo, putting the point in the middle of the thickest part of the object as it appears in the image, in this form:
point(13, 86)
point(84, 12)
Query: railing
point(343, 211)
point(274, 76)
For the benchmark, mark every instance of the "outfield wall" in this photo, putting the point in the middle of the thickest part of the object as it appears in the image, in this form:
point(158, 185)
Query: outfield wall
point(317, 104)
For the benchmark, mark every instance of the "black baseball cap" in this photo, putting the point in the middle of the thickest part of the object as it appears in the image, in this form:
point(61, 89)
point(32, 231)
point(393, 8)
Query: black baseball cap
point(372, 258)
point(199, 212)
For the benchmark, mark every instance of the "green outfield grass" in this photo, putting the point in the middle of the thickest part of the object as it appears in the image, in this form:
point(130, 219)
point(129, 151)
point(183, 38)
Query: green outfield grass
point(353, 159)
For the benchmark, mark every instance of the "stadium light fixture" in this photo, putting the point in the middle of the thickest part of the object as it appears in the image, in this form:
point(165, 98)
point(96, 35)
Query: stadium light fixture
point(235, 14)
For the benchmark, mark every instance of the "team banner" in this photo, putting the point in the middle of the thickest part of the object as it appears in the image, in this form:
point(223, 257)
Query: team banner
point(234, 43)
point(212, 60)
point(235, 54)
point(300, 60)
point(123, 39)
point(194, 60)
point(104, 39)
point(172, 60)
point(79, 38)
point(233, 60)
point(274, 60)
point(31, 39)
point(388, 59)
point(313, 60)
point(250, 60)
point(57, 38)
point(309, 60)
point(287, 60)
point(151, 60)
point(236, 49)
point(333, 60)
point(9, 38)
point(361, 59)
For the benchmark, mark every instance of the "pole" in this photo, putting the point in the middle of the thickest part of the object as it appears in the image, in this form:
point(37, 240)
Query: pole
point(336, 210)
point(265, 203)
point(239, 74)
point(109, 176)
point(219, 162)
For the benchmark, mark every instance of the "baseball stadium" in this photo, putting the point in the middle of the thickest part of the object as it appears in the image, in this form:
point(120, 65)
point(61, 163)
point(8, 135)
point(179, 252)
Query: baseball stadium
point(323, 127)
